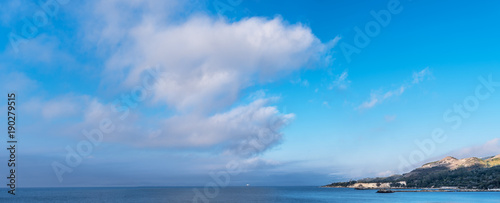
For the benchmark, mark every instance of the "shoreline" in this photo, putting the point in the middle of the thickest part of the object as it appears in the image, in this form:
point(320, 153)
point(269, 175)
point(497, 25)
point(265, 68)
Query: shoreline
point(422, 189)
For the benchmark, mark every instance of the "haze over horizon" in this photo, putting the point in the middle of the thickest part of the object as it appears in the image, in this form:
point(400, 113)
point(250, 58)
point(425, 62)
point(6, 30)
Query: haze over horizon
point(289, 94)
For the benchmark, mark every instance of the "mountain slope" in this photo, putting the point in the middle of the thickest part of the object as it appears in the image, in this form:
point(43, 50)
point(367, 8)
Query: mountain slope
point(464, 173)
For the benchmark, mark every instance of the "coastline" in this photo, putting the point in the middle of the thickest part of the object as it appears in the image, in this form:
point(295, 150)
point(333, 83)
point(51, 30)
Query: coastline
point(399, 189)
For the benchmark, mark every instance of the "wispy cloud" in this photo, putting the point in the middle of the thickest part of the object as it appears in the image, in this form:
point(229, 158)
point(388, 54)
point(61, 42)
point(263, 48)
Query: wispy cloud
point(300, 81)
point(377, 97)
point(370, 103)
point(341, 82)
point(421, 75)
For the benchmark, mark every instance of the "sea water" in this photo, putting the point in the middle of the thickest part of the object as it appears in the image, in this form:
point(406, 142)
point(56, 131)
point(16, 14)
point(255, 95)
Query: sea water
point(237, 194)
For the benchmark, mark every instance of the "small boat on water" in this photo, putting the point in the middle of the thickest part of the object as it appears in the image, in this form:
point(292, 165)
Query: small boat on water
point(385, 191)
point(361, 188)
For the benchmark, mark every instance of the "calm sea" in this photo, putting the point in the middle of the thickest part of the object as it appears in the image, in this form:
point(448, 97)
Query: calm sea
point(237, 194)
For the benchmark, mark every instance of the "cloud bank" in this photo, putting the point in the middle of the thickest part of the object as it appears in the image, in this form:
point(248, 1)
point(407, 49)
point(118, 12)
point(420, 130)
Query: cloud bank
point(204, 63)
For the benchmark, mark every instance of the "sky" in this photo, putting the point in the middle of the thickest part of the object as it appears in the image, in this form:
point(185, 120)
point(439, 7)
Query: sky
point(266, 93)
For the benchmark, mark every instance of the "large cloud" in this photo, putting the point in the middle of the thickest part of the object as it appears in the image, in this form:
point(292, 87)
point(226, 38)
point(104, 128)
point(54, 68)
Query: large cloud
point(205, 63)
point(244, 131)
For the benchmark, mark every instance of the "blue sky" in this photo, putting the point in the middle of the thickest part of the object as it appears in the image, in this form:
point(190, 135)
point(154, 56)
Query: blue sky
point(186, 87)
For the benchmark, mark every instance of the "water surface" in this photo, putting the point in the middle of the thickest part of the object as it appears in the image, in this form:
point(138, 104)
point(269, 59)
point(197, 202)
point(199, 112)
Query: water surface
point(238, 194)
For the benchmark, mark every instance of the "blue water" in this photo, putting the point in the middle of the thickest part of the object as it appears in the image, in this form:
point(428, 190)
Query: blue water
point(237, 194)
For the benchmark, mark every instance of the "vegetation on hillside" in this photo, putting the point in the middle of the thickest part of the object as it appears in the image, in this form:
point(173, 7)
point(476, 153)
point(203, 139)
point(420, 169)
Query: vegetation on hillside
point(342, 184)
point(470, 178)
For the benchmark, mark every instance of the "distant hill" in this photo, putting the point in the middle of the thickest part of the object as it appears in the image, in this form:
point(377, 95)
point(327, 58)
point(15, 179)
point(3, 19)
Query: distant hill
point(471, 173)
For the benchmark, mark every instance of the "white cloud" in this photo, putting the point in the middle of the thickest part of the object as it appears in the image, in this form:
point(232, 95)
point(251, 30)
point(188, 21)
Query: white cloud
point(377, 97)
point(421, 75)
point(58, 107)
point(258, 163)
point(111, 20)
point(16, 82)
point(61, 107)
point(206, 62)
point(244, 130)
point(300, 81)
point(370, 103)
point(490, 148)
point(341, 82)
